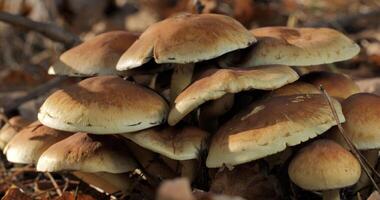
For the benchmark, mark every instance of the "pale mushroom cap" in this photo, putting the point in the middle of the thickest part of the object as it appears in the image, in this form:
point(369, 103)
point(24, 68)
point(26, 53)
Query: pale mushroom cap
point(88, 153)
point(269, 126)
point(187, 38)
point(362, 112)
point(103, 105)
point(299, 47)
point(339, 86)
point(175, 143)
point(8, 131)
point(298, 87)
point(107, 182)
point(27, 146)
point(324, 165)
point(225, 81)
point(97, 56)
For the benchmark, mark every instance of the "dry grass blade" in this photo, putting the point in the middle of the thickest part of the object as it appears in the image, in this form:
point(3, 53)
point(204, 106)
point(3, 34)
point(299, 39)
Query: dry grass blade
point(59, 192)
point(352, 147)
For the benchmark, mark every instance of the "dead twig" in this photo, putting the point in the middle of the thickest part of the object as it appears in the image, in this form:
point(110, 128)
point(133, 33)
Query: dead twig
point(51, 31)
point(59, 192)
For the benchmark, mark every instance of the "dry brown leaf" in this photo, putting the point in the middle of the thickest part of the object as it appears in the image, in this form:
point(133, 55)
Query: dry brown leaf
point(374, 196)
point(15, 193)
point(71, 196)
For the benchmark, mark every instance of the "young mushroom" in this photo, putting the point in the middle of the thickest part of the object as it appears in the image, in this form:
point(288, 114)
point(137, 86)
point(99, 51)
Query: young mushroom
point(103, 105)
point(27, 146)
point(324, 165)
point(96, 56)
point(268, 126)
point(229, 81)
point(183, 40)
point(88, 153)
point(11, 128)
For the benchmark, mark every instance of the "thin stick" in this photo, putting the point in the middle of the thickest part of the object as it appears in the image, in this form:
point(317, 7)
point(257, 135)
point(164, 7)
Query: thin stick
point(348, 141)
point(59, 192)
point(51, 31)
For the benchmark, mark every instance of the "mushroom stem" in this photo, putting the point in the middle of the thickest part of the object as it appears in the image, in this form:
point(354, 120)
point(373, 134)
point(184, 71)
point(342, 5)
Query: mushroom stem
point(189, 168)
point(181, 78)
point(371, 156)
point(331, 195)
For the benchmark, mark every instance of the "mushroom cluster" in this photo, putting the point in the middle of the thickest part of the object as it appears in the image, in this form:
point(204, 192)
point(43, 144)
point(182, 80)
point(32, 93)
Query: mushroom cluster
point(199, 92)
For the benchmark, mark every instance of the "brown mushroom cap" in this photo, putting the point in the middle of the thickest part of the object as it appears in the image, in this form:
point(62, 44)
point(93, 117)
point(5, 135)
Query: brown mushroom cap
point(187, 38)
point(362, 112)
point(298, 87)
point(299, 47)
point(324, 165)
point(225, 81)
point(88, 153)
point(269, 126)
point(339, 86)
point(97, 56)
point(9, 130)
point(175, 143)
point(103, 105)
point(27, 146)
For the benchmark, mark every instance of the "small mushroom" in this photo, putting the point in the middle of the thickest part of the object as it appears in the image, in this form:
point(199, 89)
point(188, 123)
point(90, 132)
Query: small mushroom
point(27, 146)
point(324, 165)
point(88, 153)
point(9, 130)
point(103, 105)
point(268, 126)
point(96, 56)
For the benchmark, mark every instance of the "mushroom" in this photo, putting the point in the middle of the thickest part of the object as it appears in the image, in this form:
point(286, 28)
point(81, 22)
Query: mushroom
point(11, 128)
point(183, 40)
point(106, 182)
point(339, 86)
point(88, 153)
point(103, 105)
point(362, 112)
point(297, 47)
point(96, 56)
point(268, 126)
point(182, 144)
point(225, 81)
point(324, 165)
point(27, 146)
point(298, 87)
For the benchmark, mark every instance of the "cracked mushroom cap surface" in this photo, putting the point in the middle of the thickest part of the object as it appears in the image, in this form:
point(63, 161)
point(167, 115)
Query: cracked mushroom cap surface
point(324, 165)
point(187, 38)
point(269, 126)
point(96, 56)
point(88, 153)
point(103, 105)
point(27, 146)
point(299, 47)
point(224, 81)
point(175, 143)
point(10, 129)
point(339, 86)
point(362, 112)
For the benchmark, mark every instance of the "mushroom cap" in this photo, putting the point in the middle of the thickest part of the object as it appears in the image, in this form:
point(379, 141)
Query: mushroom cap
point(88, 153)
point(96, 56)
point(27, 146)
point(103, 105)
point(362, 112)
point(187, 38)
point(299, 47)
point(9, 130)
point(269, 126)
point(107, 182)
point(298, 87)
point(324, 165)
point(225, 81)
point(175, 143)
point(339, 86)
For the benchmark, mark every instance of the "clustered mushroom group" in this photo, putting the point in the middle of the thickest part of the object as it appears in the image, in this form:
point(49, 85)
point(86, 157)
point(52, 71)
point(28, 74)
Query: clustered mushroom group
point(198, 95)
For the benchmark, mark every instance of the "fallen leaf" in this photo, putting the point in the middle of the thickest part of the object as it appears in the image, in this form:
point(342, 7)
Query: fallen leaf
point(15, 193)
